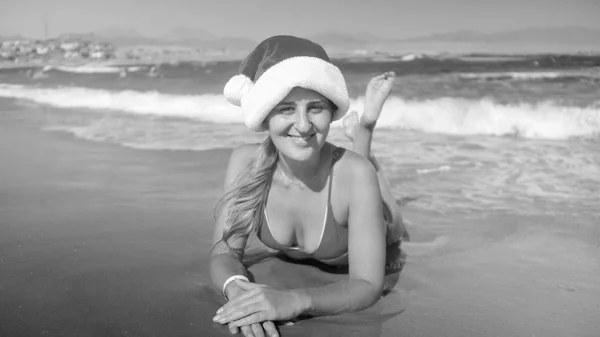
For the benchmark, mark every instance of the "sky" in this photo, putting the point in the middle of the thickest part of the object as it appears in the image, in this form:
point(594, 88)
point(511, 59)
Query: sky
point(257, 19)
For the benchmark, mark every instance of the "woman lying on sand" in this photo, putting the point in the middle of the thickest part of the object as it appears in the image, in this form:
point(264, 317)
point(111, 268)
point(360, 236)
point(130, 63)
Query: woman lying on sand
point(301, 195)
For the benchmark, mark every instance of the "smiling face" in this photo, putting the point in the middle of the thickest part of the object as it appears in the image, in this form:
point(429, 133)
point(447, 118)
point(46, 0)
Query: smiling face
point(300, 123)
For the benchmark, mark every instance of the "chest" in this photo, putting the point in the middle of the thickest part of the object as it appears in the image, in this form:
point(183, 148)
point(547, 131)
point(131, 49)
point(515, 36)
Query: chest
point(300, 217)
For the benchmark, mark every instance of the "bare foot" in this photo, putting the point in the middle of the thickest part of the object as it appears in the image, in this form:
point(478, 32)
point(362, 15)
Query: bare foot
point(378, 90)
point(350, 122)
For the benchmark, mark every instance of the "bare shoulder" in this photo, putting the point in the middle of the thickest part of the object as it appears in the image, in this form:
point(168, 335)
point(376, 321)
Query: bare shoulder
point(352, 166)
point(354, 178)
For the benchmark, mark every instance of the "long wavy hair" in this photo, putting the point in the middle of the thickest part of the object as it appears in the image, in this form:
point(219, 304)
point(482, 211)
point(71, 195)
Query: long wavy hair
point(246, 198)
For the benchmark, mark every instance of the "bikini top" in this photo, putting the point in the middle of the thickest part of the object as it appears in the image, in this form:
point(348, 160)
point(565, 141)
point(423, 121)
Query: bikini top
point(333, 244)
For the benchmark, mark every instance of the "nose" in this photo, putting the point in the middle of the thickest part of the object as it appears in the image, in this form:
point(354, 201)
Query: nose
point(303, 124)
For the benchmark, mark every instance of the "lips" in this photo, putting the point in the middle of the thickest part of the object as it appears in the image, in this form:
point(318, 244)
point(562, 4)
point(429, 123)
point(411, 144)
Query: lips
point(301, 139)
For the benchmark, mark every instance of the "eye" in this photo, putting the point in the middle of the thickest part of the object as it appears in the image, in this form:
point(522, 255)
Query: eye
point(286, 110)
point(317, 108)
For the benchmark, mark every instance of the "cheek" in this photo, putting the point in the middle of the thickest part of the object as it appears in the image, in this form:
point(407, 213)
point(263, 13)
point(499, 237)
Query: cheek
point(275, 124)
point(322, 121)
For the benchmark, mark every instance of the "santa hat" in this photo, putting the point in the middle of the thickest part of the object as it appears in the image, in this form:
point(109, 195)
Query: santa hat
point(274, 68)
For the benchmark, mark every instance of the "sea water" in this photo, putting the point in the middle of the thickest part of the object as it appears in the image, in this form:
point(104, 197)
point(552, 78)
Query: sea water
point(518, 136)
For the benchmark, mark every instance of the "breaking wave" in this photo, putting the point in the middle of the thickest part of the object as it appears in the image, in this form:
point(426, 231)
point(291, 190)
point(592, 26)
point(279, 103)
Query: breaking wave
point(447, 115)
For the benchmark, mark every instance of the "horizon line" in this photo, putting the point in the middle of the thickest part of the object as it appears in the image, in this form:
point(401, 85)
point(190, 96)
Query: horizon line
point(357, 35)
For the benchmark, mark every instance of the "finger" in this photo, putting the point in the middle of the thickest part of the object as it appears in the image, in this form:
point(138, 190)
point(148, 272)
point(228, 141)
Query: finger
point(233, 329)
point(247, 331)
point(235, 301)
point(251, 319)
point(258, 330)
point(239, 313)
point(239, 302)
point(270, 329)
point(234, 306)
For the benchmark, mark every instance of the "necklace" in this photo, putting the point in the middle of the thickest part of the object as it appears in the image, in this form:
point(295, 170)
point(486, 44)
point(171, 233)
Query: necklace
point(296, 182)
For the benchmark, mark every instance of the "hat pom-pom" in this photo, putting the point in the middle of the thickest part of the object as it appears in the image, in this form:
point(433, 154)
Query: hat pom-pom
point(237, 86)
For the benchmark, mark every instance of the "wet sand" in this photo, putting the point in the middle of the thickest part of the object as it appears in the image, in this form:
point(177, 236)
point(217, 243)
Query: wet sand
point(100, 240)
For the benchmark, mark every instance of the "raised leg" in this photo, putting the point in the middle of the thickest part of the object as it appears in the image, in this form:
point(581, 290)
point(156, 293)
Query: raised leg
point(360, 131)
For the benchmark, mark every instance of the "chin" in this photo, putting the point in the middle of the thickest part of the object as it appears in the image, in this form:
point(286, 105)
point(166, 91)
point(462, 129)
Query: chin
point(300, 155)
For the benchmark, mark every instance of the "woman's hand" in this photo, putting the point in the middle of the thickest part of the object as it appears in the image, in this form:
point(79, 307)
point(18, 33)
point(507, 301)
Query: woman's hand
point(266, 329)
point(259, 303)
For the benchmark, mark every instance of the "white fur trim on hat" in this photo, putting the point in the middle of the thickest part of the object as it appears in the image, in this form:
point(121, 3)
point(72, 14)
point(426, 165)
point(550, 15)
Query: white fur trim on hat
point(237, 86)
point(276, 83)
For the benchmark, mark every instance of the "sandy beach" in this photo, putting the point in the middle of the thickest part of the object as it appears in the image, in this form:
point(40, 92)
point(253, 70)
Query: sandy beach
point(101, 240)
point(97, 241)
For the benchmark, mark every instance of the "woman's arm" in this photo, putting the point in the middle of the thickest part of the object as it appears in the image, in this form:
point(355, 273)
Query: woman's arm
point(225, 261)
point(366, 249)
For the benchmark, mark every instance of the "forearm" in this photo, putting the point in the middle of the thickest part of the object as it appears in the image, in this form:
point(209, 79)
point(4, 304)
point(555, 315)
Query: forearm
point(340, 297)
point(223, 266)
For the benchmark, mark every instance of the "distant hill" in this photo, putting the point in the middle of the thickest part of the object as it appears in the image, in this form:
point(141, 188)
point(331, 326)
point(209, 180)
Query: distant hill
point(458, 36)
point(78, 36)
point(552, 35)
point(558, 35)
point(130, 41)
point(370, 37)
point(232, 42)
point(337, 39)
point(343, 41)
point(13, 38)
point(184, 33)
point(117, 32)
point(180, 36)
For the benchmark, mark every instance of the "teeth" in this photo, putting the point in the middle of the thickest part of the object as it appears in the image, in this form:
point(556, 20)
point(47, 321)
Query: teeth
point(300, 140)
point(300, 137)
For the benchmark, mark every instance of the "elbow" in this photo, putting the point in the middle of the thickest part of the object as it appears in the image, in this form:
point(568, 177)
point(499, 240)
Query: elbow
point(374, 296)
point(370, 295)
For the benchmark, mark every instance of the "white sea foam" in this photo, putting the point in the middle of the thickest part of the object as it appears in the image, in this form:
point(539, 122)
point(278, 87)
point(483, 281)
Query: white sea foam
point(87, 69)
point(208, 108)
point(442, 168)
point(455, 116)
point(458, 116)
point(528, 75)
